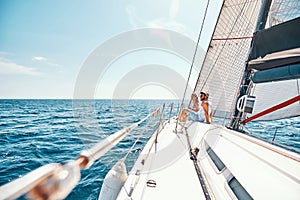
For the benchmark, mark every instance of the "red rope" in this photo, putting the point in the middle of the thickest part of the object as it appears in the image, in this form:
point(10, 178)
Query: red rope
point(235, 38)
point(272, 109)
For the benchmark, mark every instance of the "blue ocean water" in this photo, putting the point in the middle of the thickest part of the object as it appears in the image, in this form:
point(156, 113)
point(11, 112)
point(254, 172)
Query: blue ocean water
point(37, 132)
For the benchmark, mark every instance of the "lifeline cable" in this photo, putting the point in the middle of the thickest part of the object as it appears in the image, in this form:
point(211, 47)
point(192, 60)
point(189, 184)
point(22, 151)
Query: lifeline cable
point(194, 56)
point(139, 137)
point(195, 52)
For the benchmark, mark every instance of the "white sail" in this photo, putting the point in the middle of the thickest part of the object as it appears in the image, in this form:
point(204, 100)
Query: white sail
point(273, 93)
point(228, 52)
point(224, 63)
point(283, 10)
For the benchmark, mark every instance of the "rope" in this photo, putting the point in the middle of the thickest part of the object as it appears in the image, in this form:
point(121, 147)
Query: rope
point(47, 182)
point(234, 38)
point(152, 158)
point(205, 13)
point(191, 68)
point(195, 52)
point(197, 169)
point(239, 89)
point(136, 141)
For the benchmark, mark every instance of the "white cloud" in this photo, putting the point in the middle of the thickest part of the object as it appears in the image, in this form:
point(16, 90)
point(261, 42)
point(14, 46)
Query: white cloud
point(45, 60)
point(39, 58)
point(10, 67)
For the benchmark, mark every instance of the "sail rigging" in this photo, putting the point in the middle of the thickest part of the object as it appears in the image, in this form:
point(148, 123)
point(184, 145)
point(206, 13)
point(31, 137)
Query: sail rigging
point(225, 58)
point(283, 10)
point(228, 56)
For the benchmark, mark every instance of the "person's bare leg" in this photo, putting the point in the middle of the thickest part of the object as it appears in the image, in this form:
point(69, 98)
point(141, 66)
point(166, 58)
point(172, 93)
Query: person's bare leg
point(183, 115)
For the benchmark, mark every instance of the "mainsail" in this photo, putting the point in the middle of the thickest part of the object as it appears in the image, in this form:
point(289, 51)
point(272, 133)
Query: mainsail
point(237, 45)
point(224, 63)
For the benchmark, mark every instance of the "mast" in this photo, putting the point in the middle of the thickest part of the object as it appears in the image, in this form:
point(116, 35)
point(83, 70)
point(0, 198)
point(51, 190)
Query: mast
point(245, 88)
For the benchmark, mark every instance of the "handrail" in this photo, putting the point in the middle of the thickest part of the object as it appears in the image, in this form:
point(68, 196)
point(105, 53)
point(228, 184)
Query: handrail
point(160, 122)
point(177, 120)
point(105, 145)
point(56, 181)
point(170, 113)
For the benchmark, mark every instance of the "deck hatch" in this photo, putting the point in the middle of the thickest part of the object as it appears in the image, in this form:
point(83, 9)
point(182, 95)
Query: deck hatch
point(216, 160)
point(238, 189)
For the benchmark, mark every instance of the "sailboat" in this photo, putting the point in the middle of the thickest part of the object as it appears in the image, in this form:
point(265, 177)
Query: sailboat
point(252, 72)
point(209, 161)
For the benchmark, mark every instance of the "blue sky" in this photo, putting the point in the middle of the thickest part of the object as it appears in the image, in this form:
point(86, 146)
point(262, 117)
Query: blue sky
point(45, 44)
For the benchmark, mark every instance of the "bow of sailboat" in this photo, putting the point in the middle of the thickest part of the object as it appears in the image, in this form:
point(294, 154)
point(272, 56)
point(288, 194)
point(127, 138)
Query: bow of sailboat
point(204, 161)
point(164, 168)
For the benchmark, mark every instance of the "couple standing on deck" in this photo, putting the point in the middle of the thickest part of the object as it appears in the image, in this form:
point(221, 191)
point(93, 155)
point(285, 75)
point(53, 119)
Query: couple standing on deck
point(197, 112)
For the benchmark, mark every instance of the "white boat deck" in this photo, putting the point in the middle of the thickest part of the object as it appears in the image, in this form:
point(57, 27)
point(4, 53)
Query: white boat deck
point(171, 168)
point(263, 171)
